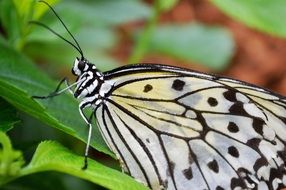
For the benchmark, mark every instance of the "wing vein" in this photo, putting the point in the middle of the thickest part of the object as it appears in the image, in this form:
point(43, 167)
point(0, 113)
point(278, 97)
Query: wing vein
point(128, 148)
point(112, 140)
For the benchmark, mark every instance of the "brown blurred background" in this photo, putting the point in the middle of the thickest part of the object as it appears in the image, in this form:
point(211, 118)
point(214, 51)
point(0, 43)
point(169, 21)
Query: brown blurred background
point(259, 58)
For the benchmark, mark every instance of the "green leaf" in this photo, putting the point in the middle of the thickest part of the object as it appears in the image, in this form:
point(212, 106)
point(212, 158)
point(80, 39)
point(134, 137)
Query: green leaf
point(264, 15)
point(40, 10)
point(15, 16)
point(51, 156)
point(209, 46)
point(10, 21)
point(24, 9)
point(53, 181)
point(11, 160)
point(8, 116)
point(20, 79)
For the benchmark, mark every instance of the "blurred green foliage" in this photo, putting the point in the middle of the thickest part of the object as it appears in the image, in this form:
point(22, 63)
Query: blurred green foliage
point(215, 42)
point(265, 15)
point(95, 25)
point(8, 116)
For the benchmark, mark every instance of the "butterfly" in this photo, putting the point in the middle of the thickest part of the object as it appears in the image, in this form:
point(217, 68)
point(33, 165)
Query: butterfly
point(177, 129)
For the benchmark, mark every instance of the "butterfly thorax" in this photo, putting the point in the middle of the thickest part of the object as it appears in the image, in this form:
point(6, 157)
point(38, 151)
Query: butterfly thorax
point(91, 86)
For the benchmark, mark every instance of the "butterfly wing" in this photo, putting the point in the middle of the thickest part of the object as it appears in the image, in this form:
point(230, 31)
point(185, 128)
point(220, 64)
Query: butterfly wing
point(175, 129)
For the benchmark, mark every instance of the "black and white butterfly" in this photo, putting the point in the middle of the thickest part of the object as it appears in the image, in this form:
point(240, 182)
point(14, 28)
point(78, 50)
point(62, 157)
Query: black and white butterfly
point(177, 129)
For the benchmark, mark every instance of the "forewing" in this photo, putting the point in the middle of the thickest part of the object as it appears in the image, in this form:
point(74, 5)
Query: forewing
point(177, 129)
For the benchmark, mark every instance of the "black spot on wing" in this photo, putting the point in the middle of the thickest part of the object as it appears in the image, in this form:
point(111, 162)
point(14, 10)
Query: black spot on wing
point(213, 165)
point(237, 182)
point(237, 109)
point(178, 85)
point(212, 101)
point(232, 127)
point(233, 151)
point(260, 163)
point(219, 188)
point(258, 125)
point(147, 88)
point(254, 142)
point(275, 174)
point(188, 173)
point(282, 153)
point(230, 95)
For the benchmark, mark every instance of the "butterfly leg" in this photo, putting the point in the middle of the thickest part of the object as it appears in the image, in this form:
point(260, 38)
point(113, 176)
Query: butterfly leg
point(67, 84)
point(85, 104)
point(88, 142)
point(57, 91)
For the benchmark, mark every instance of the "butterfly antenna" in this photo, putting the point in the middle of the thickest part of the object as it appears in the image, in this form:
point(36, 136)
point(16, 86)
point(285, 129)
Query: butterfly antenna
point(55, 13)
point(57, 34)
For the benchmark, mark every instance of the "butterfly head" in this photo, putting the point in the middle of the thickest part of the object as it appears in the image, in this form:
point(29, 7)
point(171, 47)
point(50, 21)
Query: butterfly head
point(88, 77)
point(80, 66)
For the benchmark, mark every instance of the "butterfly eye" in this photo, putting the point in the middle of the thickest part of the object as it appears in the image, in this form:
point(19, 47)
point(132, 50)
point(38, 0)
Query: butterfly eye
point(81, 65)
